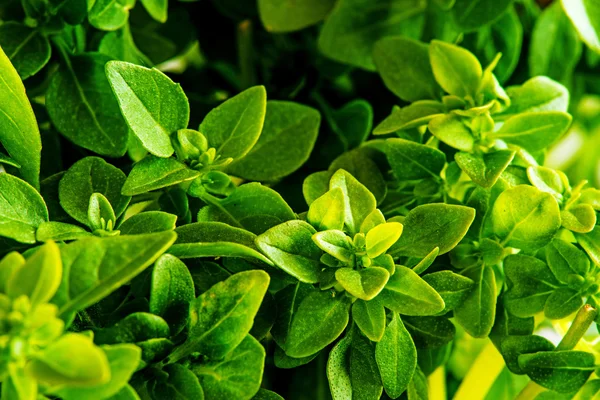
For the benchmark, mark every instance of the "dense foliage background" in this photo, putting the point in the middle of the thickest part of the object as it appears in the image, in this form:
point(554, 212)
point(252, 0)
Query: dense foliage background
point(299, 199)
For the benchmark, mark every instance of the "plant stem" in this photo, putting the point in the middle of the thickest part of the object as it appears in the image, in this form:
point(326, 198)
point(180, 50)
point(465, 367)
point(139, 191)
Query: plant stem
point(246, 54)
point(581, 323)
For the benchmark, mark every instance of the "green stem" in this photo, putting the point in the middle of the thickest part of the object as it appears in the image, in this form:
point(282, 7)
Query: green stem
point(246, 54)
point(581, 323)
point(584, 318)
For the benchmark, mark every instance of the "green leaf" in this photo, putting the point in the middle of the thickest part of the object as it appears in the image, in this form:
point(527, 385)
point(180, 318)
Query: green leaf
point(360, 163)
point(8, 264)
point(364, 373)
point(19, 385)
point(537, 94)
point(71, 360)
point(338, 369)
point(251, 206)
point(223, 315)
point(22, 209)
point(410, 160)
point(152, 104)
point(451, 287)
point(181, 384)
point(562, 303)
point(171, 292)
point(237, 376)
point(396, 357)
point(408, 294)
point(288, 300)
point(452, 130)
point(359, 201)
point(315, 185)
point(327, 211)
point(414, 115)
point(369, 316)
point(591, 243)
point(565, 259)
point(95, 267)
point(433, 225)
point(288, 136)
point(476, 314)
point(148, 222)
point(264, 394)
point(82, 108)
point(59, 231)
point(27, 49)
point(579, 218)
point(138, 327)
point(157, 9)
point(123, 360)
point(88, 176)
point(530, 284)
point(234, 127)
point(39, 277)
point(471, 15)
point(365, 283)
point(525, 218)
point(349, 37)
point(19, 133)
point(534, 131)
point(484, 169)
point(215, 239)
point(288, 16)
point(456, 69)
point(548, 180)
point(101, 215)
point(291, 247)
point(109, 15)
point(284, 361)
point(584, 16)
point(561, 371)
point(403, 64)
point(426, 261)
point(154, 173)
point(512, 347)
point(119, 45)
point(381, 237)
point(555, 47)
point(335, 243)
point(320, 319)
point(430, 332)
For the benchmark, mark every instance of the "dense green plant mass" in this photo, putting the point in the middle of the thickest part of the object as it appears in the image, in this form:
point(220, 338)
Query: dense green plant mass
point(300, 199)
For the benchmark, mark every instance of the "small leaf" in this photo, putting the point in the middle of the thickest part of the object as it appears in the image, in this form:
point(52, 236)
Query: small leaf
point(336, 243)
point(564, 259)
point(157, 9)
point(172, 292)
point(327, 211)
point(88, 176)
point(320, 319)
point(156, 173)
point(148, 222)
point(484, 169)
point(561, 371)
point(27, 49)
point(396, 357)
point(525, 218)
point(539, 93)
point(470, 15)
point(476, 314)
point(222, 316)
point(365, 283)
point(451, 287)
point(369, 316)
point(237, 376)
point(579, 218)
point(513, 346)
point(291, 247)
point(403, 64)
point(430, 332)
point(562, 303)
point(287, 139)
point(39, 277)
point(71, 360)
point(410, 160)
point(181, 384)
point(22, 209)
point(289, 16)
point(452, 130)
point(380, 238)
point(152, 104)
point(359, 201)
point(457, 70)
point(408, 294)
point(234, 127)
point(534, 131)
point(433, 225)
